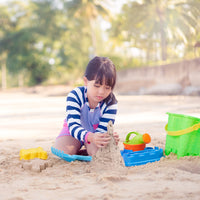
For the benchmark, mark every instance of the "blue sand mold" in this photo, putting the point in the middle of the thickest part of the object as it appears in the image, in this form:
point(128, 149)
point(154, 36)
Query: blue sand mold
point(70, 158)
point(149, 154)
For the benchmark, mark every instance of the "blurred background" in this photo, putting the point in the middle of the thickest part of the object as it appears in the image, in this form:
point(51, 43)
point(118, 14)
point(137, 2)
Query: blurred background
point(50, 42)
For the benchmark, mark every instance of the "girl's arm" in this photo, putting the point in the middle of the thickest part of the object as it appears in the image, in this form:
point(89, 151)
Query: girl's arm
point(74, 103)
point(101, 140)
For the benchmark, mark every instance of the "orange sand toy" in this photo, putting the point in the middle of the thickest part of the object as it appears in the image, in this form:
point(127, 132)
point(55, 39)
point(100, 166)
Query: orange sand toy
point(138, 143)
point(135, 147)
point(28, 154)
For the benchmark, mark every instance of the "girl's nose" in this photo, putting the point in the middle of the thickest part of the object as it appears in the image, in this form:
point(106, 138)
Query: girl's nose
point(101, 90)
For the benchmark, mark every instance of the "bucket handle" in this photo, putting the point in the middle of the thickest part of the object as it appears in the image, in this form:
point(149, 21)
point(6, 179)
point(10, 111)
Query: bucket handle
point(184, 131)
point(128, 136)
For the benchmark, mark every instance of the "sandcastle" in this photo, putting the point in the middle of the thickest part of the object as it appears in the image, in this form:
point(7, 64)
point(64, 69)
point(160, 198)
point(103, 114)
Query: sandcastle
point(111, 153)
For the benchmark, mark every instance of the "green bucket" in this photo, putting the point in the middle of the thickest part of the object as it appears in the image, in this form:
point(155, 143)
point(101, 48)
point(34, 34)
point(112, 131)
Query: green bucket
point(183, 135)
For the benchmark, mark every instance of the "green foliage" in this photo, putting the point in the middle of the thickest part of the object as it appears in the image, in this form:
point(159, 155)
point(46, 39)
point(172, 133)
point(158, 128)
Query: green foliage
point(39, 72)
point(49, 41)
point(156, 25)
point(122, 62)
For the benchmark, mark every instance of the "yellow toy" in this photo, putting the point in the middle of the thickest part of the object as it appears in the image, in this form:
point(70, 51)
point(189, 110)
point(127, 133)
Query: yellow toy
point(28, 154)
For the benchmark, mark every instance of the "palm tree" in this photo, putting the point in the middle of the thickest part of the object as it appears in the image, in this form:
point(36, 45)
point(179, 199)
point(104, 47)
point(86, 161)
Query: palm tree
point(161, 21)
point(88, 11)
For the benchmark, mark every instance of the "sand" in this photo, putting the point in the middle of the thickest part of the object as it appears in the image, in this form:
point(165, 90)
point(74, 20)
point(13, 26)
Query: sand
point(34, 120)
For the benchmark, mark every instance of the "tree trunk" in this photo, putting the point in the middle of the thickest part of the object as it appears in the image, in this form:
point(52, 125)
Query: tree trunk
point(163, 44)
point(21, 80)
point(162, 19)
point(3, 72)
point(93, 38)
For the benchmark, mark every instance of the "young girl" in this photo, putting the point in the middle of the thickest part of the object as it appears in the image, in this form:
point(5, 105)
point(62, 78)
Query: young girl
point(89, 109)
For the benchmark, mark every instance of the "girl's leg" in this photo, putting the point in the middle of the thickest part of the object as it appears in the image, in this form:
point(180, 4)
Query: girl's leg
point(68, 144)
point(91, 149)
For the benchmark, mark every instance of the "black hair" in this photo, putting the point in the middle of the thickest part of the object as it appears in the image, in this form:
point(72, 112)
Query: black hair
point(102, 69)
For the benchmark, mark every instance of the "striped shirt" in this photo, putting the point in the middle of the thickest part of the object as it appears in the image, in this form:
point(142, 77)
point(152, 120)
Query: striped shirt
point(81, 119)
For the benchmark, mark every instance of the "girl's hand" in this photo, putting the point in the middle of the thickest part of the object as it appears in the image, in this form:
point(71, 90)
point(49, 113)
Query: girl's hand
point(116, 137)
point(99, 139)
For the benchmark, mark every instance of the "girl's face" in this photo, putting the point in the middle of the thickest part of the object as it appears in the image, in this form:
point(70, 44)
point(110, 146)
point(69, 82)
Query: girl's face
point(96, 92)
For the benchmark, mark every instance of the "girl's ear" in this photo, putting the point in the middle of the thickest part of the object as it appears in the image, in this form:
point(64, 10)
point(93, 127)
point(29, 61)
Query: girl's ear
point(85, 80)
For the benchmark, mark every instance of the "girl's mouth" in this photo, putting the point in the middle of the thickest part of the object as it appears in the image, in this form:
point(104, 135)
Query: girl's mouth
point(99, 97)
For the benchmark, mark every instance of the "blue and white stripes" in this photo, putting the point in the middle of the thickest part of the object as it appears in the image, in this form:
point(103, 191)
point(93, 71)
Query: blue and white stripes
point(108, 113)
point(79, 118)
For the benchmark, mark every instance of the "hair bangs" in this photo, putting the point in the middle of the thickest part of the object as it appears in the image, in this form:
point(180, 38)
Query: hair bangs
point(105, 76)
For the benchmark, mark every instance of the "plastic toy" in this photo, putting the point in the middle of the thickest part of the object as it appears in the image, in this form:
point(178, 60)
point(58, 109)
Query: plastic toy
point(70, 158)
point(138, 142)
point(149, 154)
point(28, 154)
point(183, 135)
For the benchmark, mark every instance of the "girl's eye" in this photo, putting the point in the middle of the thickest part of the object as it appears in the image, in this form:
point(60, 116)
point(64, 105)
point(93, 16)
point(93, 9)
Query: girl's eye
point(107, 87)
point(96, 85)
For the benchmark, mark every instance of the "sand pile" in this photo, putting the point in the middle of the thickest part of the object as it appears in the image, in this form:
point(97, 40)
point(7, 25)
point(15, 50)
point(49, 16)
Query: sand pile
point(110, 155)
point(24, 126)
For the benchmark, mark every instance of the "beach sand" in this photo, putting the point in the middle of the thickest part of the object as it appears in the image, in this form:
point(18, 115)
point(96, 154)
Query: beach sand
point(34, 120)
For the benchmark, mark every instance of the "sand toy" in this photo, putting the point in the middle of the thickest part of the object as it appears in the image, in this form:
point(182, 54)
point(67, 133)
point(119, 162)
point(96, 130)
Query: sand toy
point(138, 142)
point(183, 135)
point(70, 158)
point(135, 151)
point(149, 154)
point(28, 154)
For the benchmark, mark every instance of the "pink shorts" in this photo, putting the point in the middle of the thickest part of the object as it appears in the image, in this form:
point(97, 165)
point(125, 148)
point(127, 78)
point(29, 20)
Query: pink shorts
point(65, 130)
